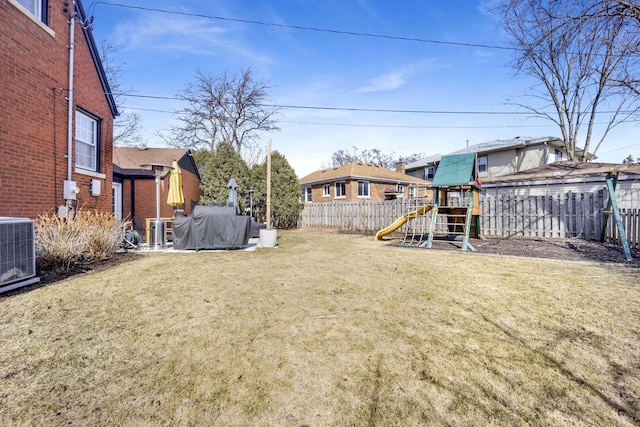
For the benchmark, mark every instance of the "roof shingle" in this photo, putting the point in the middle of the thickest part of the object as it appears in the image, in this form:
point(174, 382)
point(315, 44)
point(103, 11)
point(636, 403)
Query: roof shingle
point(356, 170)
point(129, 158)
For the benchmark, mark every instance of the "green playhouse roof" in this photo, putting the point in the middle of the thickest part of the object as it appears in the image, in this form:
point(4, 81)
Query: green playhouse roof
point(455, 169)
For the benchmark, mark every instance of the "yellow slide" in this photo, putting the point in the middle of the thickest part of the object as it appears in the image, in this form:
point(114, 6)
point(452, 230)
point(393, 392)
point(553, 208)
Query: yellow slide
point(400, 221)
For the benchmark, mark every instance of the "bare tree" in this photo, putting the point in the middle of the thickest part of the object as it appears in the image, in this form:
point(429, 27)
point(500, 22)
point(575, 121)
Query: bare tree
point(221, 108)
point(127, 126)
point(371, 156)
point(581, 60)
point(629, 12)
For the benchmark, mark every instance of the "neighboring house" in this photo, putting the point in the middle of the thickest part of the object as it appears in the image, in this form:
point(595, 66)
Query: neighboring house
point(500, 157)
point(360, 181)
point(568, 176)
point(504, 157)
point(424, 168)
point(135, 187)
point(56, 127)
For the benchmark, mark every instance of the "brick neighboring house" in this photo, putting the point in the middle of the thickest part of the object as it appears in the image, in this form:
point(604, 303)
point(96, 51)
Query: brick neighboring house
point(135, 187)
point(38, 154)
point(360, 181)
point(501, 157)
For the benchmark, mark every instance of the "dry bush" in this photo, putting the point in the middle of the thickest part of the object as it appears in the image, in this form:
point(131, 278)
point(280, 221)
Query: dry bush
point(59, 240)
point(87, 235)
point(101, 231)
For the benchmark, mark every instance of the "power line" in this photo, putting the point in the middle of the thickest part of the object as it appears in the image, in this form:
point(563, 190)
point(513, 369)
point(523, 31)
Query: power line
point(305, 28)
point(366, 110)
point(362, 109)
point(356, 109)
point(384, 110)
point(621, 148)
point(370, 125)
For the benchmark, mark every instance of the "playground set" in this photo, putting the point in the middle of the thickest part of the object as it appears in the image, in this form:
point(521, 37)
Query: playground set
point(454, 214)
point(612, 209)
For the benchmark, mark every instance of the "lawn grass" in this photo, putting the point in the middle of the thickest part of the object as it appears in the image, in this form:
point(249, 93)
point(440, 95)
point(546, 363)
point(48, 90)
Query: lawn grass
point(326, 329)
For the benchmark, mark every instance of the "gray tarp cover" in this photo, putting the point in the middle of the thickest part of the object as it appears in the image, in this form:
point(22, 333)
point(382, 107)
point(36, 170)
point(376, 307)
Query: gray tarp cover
point(211, 228)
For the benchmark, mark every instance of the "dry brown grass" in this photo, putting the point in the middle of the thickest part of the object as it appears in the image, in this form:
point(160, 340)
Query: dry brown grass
point(327, 329)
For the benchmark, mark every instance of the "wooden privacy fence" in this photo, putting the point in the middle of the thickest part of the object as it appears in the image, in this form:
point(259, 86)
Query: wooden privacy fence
point(579, 215)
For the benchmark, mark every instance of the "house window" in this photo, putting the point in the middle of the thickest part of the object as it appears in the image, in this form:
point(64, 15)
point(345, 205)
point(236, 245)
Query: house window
point(326, 190)
point(558, 155)
point(86, 141)
point(431, 172)
point(483, 164)
point(363, 188)
point(412, 192)
point(38, 8)
point(341, 189)
point(306, 194)
point(399, 188)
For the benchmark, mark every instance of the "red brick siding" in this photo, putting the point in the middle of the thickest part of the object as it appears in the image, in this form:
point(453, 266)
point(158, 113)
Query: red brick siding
point(191, 189)
point(33, 114)
point(376, 192)
point(145, 196)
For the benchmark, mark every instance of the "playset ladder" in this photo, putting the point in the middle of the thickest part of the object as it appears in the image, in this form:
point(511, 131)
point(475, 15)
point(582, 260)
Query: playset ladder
point(458, 221)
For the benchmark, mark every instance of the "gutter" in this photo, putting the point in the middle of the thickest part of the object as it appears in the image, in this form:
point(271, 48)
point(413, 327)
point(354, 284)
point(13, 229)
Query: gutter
point(72, 21)
point(551, 181)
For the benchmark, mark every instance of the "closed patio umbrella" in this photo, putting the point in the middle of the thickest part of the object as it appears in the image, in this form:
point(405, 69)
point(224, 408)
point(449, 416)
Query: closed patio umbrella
point(175, 197)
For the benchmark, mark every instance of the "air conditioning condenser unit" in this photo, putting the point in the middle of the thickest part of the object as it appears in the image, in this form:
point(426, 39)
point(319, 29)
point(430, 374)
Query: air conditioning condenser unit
point(17, 253)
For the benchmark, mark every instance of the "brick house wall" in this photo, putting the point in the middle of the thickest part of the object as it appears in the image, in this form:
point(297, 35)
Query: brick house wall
point(382, 183)
point(144, 189)
point(139, 186)
point(34, 66)
point(377, 192)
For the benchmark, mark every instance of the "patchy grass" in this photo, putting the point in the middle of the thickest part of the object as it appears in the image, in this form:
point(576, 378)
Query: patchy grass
point(327, 329)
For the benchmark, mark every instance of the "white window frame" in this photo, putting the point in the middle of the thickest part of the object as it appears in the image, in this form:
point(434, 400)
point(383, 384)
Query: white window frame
point(399, 188)
point(326, 190)
point(116, 203)
point(412, 192)
point(340, 185)
point(87, 141)
point(37, 8)
point(430, 173)
point(307, 195)
point(558, 155)
point(363, 187)
point(483, 163)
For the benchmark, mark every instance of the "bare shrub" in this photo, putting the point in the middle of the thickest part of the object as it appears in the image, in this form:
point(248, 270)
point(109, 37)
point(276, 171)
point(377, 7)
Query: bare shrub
point(102, 232)
point(88, 234)
point(59, 240)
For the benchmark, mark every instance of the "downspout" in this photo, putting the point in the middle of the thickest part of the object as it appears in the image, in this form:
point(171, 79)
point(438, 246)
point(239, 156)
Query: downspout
point(72, 32)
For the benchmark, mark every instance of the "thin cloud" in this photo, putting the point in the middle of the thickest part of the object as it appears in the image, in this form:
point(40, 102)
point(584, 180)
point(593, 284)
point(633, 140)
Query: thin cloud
point(181, 36)
point(384, 82)
point(398, 78)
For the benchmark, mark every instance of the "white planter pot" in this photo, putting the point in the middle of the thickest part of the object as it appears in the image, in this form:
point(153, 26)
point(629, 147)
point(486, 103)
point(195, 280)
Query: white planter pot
point(268, 238)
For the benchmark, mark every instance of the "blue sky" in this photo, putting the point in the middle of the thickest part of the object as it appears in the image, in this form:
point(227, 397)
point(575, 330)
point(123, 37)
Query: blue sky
point(160, 53)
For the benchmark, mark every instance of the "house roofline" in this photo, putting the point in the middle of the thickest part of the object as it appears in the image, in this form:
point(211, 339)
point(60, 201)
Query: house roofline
point(362, 177)
point(557, 181)
point(102, 75)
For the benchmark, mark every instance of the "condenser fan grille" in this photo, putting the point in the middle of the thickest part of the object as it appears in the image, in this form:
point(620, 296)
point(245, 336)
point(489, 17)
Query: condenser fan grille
point(17, 250)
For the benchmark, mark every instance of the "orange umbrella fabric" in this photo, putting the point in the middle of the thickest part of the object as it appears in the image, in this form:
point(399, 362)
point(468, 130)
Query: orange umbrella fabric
point(175, 197)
